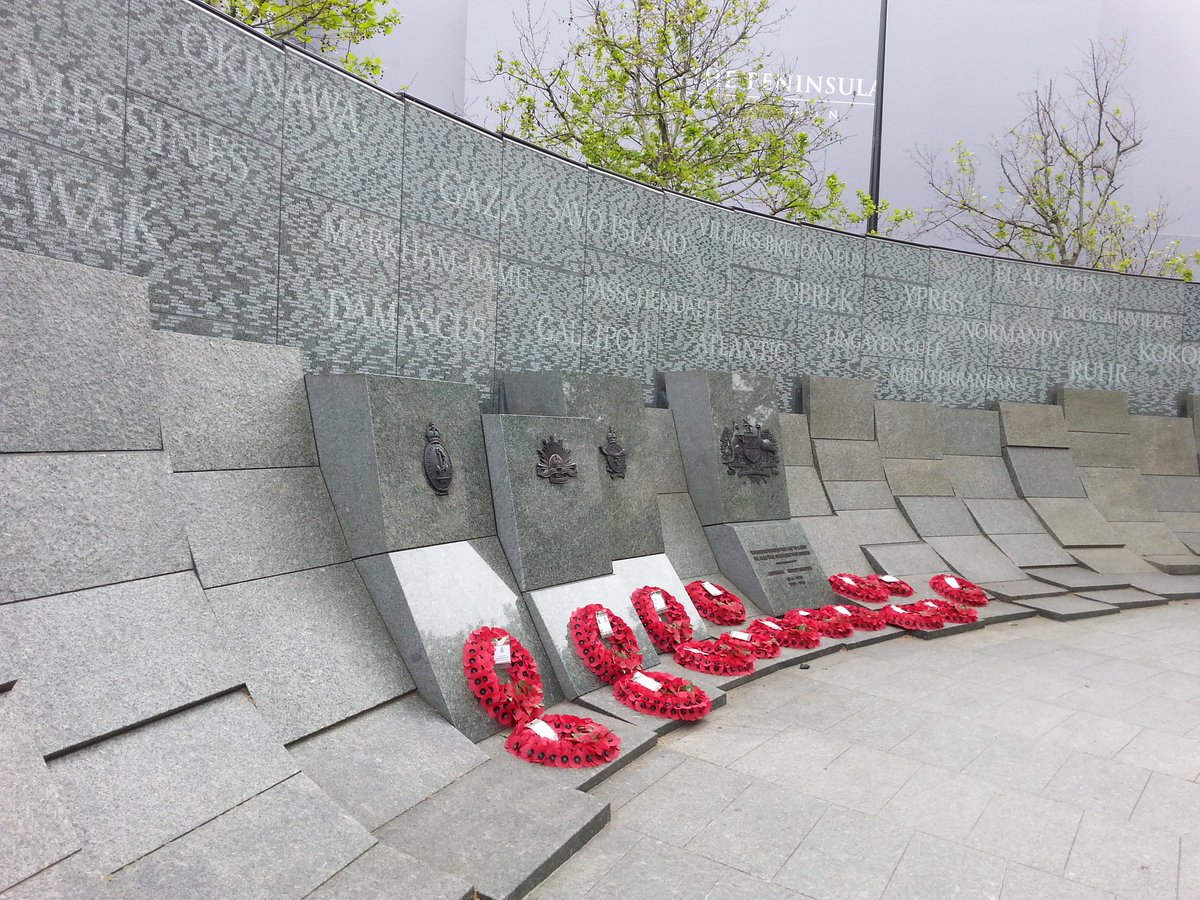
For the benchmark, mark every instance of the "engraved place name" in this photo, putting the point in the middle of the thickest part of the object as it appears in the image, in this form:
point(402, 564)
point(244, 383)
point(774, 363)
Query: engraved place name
point(1134, 319)
point(332, 111)
point(477, 198)
point(371, 311)
point(964, 379)
point(1037, 278)
point(231, 61)
point(208, 151)
point(935, 300)
point(791, 564)
point(869, 344)
point(784, 242)
point(1159, 354)
point(598, 336)
point(760, 352)
point(68, 101)
point(1097, 374)
point(826, 297)
point(349, 234)
point(422, 320)
point(620, 293)
point(1006, 335)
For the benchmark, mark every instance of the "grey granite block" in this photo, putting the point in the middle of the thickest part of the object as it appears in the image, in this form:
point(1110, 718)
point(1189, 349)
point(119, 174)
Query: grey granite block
point(387, 760)
point(1026, 587)
point(657, 571)
point(1092, 410)
point(908, 430)
point(285, 841)
point(902, 560)
point(1066, 607)
point(1112, 560)
point(1076, 523)
point(878, 526)
point(79, 374)
point(610, 403)
point(705, 404)
point(979, 477)
point(806, 495)
point(1043, 472)
point(797, 443)
point(918, 478)
point(975, 557)
point(1033, 425)
point(452, 829)
point(772, 562)
point(258, 522)
point(839, 460)
point(1032, 550)
point(37, 832)
point(155, 638)
point(67, 879)
point(683, 536)
point(668, 468)
point(1074, 577)
point(311, 647)
point(844, 495)
point(1090, 448)
point(1005, 517)
point(167, 777)
point(551, 533)
point(1192, 541)
point(1122, 598)
point(384, 870)
point(1168, 445)
point(1172, 587)
point(552, 607)
point(839, 407)
point(1173, 493)
point(938, 516)
point(431, 599)
point(1182, 522)
point(78, 520)
point(1150, 539)
point(232, 404)
point(971, 432)
point(1000, 611)
point(1179, 564)
point(371, 434)
point(1121, 495)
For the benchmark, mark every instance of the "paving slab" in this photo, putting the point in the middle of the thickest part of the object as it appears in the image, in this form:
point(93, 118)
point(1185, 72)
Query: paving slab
point(904, 559)
point(979, 477)
point(1026, 587)
point(806, 494)
point(1043, 472)
point(1033, 425)
point(938, 516)
point(971, 432)
point(1173, 587)
point(1076, 523)
point(1032, 550)
point(1123, 598)
point(1065, 607)
point(1173, 493)
point(977, 558)
point(1005, 517)
point(908, 430)
point(796, 447)
point(918, 478)
point(1076, 578)
point(845, 495)
point(842, 408)
point(384, 870)
point(772, 562)
point(1167, 443)
point(1119, 494)
point(848, 460)
point(1110, 451)
point(67, 879)
point(1092, 410)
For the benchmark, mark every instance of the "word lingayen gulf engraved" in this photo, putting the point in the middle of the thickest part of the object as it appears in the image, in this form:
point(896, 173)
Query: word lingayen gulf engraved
point(868, 343)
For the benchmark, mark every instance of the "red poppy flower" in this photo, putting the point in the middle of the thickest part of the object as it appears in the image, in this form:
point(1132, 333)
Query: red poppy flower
point(858, 587)
point(796, 635)
point(896, 587)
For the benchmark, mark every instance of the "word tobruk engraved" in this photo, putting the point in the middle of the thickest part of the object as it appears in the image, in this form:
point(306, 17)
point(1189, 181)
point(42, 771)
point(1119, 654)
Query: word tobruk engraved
point(439, 470)
point(750, 450)
point(554, 462)
point(614, 455)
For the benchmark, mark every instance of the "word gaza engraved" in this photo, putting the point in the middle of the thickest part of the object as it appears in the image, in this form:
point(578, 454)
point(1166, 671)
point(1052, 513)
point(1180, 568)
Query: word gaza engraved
point(614, 455)
point(750, 450)
point(554, 462)
point(439, 469)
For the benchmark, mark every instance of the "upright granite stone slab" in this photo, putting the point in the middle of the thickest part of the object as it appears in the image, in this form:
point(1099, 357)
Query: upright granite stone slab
point(903, 560)
point(1097, 411)
point(657, 571)
point(683, 536)
point(1120, 495)
point(848, 460)
point(1027, 550)
point(918, 478)
point(705, 404)
point(431, 599)
point(611, 403)
point(971, 432)
point(1005, 517)
point(1168, 445)
point(979, 477)
point(938, 516)
point(1173, 493)
point(797, 443)
point(841, 408)
point(552, 533)
point(1043, 472)
point(859, 495)
point(660, 432)
point(1102, 450)
point(806, 494)
point(772, 562)
point(908, 430)
point(1033, 425)
point(1075, 523)
point(833, 544)
point(977, 558)
point(372, 433)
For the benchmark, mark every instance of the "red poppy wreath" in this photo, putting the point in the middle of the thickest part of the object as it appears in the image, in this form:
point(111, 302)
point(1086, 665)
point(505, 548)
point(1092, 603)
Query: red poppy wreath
point(959, 590)
point(958, 613)
point(761, 644)
point(856, 587)
point(860, 617)
point(716, 604)
point(665, 618)
point(565, 742)
point(608, 661)
point(660, 694)
point(796, 635)
point(830, 624)
point(716, 657)
point(515, 700)
point(914, 617)
point(896, 587)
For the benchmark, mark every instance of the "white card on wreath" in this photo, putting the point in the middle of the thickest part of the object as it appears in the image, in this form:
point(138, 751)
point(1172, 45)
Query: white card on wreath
point(953, 582)
point(503, 655)
point(647, 682)
point(740, 636)
point(603, 624)
point(769, 624)
point(659, 601)
point(543, 729)
point(895, 608)
point(696, 650)
point(847, 579)
point(931, 604)
point(842, 610)
point(890, 579)
point(712, 589)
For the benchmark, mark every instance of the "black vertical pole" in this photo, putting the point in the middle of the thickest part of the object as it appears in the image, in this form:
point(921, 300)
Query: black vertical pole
point(877, 132)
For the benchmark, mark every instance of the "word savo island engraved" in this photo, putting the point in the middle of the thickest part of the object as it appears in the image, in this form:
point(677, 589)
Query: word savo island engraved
point(554, 462)
point(750, 451)
point(439, 468)
point(614, 455)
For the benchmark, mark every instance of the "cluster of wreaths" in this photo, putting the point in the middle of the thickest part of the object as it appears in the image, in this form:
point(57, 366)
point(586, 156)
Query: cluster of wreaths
point(673, 698)
point(860, 617)
point(959, 590)
point(716, 604)
point(958, 613)
point(914, 616)
point(577, 743)
point(666, 620)
point(761, 644)
point(857, 587)
point(607, 661)
point(830, 624)
point(896, 587)
point(794, 634)
point(720, 656)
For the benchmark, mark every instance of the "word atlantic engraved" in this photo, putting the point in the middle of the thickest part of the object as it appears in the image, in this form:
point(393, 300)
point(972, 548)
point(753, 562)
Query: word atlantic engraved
point(750, 450)
point(614, 455)
point(439, 469)
point(554, 462)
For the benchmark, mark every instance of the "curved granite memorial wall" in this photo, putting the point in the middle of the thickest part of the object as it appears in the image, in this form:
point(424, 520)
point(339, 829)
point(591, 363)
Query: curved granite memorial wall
point(269, 197)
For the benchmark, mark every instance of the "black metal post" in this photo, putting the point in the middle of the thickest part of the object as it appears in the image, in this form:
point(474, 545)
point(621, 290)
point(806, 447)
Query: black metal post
point(877, 131)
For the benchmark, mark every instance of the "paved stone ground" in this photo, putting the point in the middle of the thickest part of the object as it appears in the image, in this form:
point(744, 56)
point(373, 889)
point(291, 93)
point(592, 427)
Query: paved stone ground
point(1036, 759)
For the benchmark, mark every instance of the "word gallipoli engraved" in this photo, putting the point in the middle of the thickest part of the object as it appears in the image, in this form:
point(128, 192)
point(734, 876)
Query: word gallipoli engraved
point(554, 462)
point(614, 455)
point(750, 450)
point(439, 470)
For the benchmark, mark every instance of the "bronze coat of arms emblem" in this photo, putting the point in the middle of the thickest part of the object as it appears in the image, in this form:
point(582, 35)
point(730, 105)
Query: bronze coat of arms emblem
point(554, 462)
point(750, 450)
point(614, 455)
point(439, 470)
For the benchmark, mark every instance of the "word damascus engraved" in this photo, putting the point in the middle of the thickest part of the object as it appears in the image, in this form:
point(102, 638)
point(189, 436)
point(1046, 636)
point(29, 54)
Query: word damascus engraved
point(439, 470)
point(614, 455)
point(750, 450)
point(554, 462)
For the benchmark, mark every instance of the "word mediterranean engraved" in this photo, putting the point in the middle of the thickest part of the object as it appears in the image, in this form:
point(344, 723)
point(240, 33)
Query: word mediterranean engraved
point(750, 451)
point(554, 462)
point(439, 469)
point(614, 455)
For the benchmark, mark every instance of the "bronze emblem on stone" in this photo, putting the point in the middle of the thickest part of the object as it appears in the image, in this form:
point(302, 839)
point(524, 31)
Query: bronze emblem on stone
point(554, 462)
point(750, 450)
point(439, 470)
point(614, 455)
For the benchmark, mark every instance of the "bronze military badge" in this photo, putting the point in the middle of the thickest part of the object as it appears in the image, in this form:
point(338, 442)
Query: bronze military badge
point(614, 455)
point(750, 450)
point(439, 470)
point(554, 462)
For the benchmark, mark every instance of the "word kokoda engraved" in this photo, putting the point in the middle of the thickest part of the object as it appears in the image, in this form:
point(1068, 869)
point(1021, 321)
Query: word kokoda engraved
point(554, 462)
point(614, 455)
point(750, 450)
point(439, 470)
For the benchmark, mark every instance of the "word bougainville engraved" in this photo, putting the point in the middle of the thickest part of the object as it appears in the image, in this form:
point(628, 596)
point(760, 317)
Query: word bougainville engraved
point(750, 450)
point(554, 462)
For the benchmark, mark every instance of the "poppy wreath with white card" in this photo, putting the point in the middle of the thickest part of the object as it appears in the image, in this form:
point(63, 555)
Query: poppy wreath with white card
point(896, 587)
point(793, 634)
point(761, 644)
point(716, 657)
point(857, 587)
point(661, 694)
point(914, 616)
point(958, 613)
point(666, 619)
point(830, 624)
point(862, 618)
point(605, 642)
point(952, 587)
point(515, 699)
point(563, 741)
point(716, 604)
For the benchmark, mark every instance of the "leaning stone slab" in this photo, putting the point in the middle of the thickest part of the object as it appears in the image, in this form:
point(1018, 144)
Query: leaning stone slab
point(1097, 411)
point(1176, 564)
point(836, 547)
point(1172, 587)
point(1014, 591)
point(772, 562)
point(683, 536)
point(1076, 578)
point(918, 478)
point(1027, 550)
point(903, 560)
point(938, 516)
point(1111, 560)
point(806, 494)
point(907, 430)
point(1173, 493)
point(878, 526)
point(383, 870)
point(553, 532)
point(980, 477)
point(1000, 611)
point(1167, 443)
point(976, 558)
point(1123, 598)
point(797, 445)
point(1120, 495)
point(841, 408)
point(1075, 523)
point(971, 432)
point(1005, 517)
point(1043, 472)
point(668, 470)
point(1109, 451)
point(848, 460)
point(1182, 522)
point(657, 571)
point(1033, 425)
point(1150, 539)
point(1066, 607)
point(846, 495)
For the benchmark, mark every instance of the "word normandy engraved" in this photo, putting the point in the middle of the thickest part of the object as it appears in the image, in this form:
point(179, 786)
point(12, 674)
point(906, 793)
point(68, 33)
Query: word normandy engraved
point(554, 462)
point(614, 455)
point(750, 450)
point(439, 470)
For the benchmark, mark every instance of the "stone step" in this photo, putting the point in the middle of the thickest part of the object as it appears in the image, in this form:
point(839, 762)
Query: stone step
point(1178, 564)
point(384, 871)
point(1078, 578)
point(1123, 598)
point(1067, 607)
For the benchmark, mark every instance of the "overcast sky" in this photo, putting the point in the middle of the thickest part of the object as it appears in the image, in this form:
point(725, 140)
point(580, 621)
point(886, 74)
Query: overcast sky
point(955, 69)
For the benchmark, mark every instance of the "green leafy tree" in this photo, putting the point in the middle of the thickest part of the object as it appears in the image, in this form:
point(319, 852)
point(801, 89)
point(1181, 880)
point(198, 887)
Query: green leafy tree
point(677, 93)
point(329, 27)
point(1061, 170)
